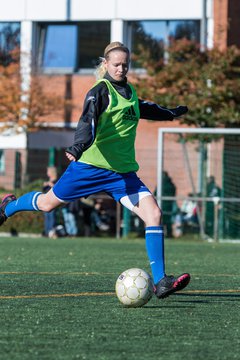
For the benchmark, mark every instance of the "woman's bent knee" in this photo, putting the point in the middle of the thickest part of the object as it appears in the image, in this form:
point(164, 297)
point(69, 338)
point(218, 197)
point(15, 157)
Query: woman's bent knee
point(153, 217)
point(47, 202)
point(44, 206)
point(156, 215)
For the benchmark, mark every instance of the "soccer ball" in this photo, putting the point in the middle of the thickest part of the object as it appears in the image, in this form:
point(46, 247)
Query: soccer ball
point(134, 287)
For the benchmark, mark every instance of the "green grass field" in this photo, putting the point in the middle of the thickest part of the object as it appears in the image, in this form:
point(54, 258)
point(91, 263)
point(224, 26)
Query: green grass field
point(57, 301)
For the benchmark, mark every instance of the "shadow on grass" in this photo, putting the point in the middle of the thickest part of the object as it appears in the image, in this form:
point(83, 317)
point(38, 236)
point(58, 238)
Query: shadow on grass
point(193, 298)
point(215, 294)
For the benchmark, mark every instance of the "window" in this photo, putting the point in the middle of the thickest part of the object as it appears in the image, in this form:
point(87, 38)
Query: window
point(2, 162)
point(71, 47)
point(184, 29)
point(60, 46)
point(9, 40)
point(154, 35)
point(93, 38)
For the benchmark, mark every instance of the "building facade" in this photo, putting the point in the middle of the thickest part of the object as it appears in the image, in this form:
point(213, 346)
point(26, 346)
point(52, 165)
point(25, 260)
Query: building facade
point(63, 39)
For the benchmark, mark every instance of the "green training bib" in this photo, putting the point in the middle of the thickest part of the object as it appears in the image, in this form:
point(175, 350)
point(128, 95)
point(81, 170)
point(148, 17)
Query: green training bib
point(113, 147)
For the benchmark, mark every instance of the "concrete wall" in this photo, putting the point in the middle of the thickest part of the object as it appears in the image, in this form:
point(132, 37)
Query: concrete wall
point(60, 10)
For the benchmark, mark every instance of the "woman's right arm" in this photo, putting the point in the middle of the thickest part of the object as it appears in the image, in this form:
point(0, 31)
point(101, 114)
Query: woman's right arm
point(95, 103)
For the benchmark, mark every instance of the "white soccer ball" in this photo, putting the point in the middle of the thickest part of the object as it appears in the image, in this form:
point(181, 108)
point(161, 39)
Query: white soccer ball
point(134, 287)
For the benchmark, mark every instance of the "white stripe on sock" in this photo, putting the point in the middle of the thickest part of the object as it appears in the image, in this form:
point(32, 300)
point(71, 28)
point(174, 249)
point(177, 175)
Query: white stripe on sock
point(154, 231)
point(34, 199)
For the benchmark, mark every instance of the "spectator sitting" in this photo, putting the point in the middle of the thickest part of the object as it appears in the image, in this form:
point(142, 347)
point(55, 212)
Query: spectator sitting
point(94, 216)
point(70, 212)
point(99, 217)
point(189, 211)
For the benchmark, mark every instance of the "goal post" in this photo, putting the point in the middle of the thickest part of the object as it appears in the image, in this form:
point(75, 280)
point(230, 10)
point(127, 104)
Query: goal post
point(202, 165)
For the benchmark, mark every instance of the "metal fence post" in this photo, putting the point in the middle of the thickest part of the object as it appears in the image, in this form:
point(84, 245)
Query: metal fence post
point(126, 221)
point(216, 201)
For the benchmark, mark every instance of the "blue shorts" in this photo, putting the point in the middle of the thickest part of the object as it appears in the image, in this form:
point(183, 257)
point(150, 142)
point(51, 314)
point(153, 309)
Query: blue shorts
point(81, 180)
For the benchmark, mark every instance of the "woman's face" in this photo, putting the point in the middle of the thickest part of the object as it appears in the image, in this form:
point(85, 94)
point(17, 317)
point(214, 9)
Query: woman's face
point(117, 64)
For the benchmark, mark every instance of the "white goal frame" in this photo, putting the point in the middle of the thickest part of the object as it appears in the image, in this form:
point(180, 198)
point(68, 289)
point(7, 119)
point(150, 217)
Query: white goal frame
point(160, 162)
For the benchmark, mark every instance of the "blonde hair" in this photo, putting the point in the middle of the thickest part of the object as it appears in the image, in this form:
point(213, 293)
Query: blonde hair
point(100, 70)
point(115, 45)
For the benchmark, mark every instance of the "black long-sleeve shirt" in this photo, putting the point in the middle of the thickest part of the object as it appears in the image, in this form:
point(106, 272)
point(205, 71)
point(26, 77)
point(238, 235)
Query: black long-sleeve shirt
point(96, 102)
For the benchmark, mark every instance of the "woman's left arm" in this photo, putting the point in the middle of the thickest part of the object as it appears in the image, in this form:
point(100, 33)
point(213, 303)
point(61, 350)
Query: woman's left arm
point(152, 111)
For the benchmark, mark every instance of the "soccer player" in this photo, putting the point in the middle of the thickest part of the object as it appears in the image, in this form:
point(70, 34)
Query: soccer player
point(102, 159)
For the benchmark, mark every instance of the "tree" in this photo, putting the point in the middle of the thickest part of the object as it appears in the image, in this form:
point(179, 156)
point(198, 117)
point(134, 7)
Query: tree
point(146, 50)
point(23, 109)
point(208, 82)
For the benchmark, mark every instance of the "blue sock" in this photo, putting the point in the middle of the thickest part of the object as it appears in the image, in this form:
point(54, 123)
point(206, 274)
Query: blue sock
point(155, 249)
point(26, 202)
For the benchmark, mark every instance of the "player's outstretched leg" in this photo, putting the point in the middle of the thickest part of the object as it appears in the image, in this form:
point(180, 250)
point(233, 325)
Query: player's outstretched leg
point(10, 205)
point(5, 201)
point(170, 284)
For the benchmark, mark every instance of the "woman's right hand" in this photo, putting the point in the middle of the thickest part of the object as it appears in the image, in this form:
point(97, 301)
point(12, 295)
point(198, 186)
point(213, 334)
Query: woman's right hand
point(70, 156)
